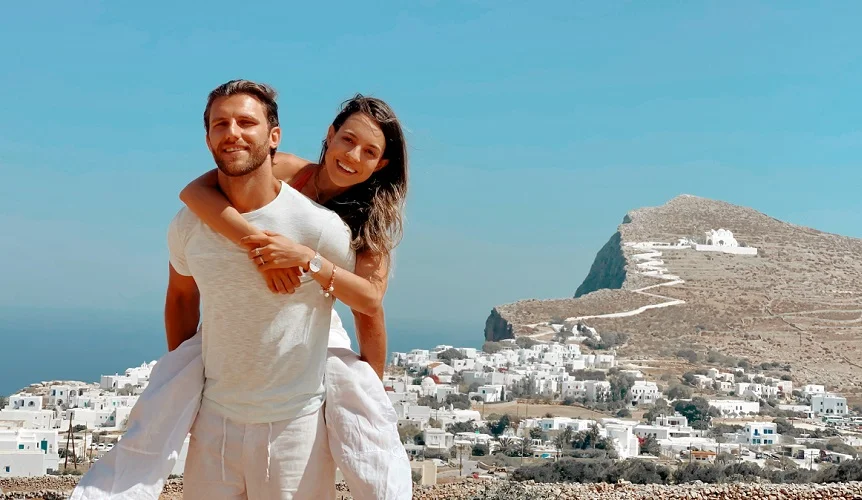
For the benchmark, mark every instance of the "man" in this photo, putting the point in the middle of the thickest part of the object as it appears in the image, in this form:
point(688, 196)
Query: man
point(260, 431)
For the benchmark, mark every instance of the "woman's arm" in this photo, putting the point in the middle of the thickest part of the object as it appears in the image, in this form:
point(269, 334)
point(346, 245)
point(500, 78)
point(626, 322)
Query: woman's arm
point(361, 291)
point(371, 334)
point(285, 166)
point(205, 199)
point(371, 328)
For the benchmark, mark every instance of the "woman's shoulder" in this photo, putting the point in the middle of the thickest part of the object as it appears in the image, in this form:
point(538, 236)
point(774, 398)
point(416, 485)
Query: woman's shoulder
point(285, 166)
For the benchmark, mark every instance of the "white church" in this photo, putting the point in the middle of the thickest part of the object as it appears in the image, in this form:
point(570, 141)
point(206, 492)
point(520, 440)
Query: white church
point(722, 240)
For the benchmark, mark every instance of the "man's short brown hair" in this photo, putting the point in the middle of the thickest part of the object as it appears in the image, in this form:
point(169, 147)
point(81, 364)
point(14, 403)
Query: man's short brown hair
point(260, 91)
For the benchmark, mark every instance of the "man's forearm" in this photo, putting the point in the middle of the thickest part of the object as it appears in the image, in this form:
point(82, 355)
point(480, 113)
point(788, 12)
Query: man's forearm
point(181, 319)
point(371, 335)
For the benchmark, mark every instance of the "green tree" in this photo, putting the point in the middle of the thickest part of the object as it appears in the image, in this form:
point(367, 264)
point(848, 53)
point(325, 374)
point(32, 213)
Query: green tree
point(448, 355)
point(688, 355)
point(408, 433)
point(499, 427)
point(620, 387)
point(455, 428)
point(650, 446)
point(492, 347)
point(697, 411)
point(480, 450)
point(659, 409)
point(536, 433)
point(458, 401)
point(678, 391)
point(526, 342)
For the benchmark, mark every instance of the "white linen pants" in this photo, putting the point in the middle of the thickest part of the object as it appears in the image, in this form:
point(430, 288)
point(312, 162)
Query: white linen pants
point(282, 460)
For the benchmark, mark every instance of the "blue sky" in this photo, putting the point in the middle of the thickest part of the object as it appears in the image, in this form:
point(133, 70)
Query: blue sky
point(533, 128)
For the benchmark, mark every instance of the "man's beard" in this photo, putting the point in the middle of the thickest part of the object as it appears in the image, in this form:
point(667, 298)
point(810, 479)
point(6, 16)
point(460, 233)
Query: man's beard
point(257, 154)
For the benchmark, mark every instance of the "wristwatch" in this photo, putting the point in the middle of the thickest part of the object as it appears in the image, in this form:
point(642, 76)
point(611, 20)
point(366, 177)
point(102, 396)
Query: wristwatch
point(316, 263)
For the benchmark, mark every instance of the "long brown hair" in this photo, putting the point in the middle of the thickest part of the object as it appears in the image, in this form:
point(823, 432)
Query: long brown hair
point(374, 209)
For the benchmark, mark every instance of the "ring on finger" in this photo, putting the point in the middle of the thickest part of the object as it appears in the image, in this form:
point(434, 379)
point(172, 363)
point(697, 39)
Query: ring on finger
point(262, 262)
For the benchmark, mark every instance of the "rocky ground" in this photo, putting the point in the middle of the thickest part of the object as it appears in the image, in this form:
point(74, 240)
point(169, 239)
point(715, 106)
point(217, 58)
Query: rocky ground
point(59, 487)
point(516, 491)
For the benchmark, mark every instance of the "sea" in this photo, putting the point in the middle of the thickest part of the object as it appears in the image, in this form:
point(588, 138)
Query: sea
point(83, 345)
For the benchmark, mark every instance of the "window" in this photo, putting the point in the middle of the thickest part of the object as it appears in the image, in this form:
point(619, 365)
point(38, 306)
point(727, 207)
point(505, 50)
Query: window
point(20, 446)
point(7, 469)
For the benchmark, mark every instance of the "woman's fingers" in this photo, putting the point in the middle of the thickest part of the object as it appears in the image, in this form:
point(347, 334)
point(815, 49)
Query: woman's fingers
point(255, 239)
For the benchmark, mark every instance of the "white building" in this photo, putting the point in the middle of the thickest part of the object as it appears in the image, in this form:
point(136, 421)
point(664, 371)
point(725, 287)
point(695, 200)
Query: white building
point(489, 393)
point(755, 391)
point(59, 395)
point(828, 405)
point(597, 390)
point(28, 452)
point(655, 431)
point(445, 390)
point(438, 439)
point(548, 424)
point(621, 433)
point(468, 352)
point(573, 389)
point(27, 410)
point(442, 371)
point(428, 387)
point(722, 240)
point(812, 389)
point(760, 433)
point(702, 381)
point(735, 407)
point(644, 392)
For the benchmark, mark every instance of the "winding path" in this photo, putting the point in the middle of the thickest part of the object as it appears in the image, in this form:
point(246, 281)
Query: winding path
point(656, 269)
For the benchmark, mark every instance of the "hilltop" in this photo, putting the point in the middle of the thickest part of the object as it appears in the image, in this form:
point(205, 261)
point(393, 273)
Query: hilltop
point(798, 301)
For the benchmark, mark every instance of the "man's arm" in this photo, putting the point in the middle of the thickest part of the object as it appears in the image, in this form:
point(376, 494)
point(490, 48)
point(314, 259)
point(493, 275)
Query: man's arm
point(182, 308)
point(371, 335)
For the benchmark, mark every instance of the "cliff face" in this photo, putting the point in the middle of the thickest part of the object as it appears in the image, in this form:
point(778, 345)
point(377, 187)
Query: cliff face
point(497, 328)
point(608, 270)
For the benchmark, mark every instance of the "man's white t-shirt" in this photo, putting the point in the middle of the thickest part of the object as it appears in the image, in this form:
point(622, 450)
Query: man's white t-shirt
point(264, 354)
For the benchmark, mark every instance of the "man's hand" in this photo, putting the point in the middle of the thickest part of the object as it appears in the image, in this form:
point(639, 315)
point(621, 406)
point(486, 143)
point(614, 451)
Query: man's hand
point(282, 280)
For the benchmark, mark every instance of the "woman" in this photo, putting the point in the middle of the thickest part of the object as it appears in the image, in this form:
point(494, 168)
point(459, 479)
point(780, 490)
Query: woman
point(362, 176)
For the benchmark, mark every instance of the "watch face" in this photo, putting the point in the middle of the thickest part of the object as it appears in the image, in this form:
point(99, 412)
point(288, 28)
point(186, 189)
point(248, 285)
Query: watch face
point(315, 264)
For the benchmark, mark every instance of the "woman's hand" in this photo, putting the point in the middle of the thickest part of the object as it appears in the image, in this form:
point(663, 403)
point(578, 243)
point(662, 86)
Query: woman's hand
point(274, 251)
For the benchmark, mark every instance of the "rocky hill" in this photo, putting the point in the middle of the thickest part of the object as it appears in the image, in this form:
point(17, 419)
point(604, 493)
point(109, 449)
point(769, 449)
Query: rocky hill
point(798, 301)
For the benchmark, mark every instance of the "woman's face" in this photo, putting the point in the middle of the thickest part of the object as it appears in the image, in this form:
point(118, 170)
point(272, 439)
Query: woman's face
point(354, 151)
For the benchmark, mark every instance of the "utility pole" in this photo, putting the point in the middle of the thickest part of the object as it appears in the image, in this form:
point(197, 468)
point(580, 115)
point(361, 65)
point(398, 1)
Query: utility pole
point(68, 438)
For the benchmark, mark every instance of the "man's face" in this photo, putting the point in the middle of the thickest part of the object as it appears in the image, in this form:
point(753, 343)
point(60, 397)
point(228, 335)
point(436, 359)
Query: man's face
point(239, 136)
